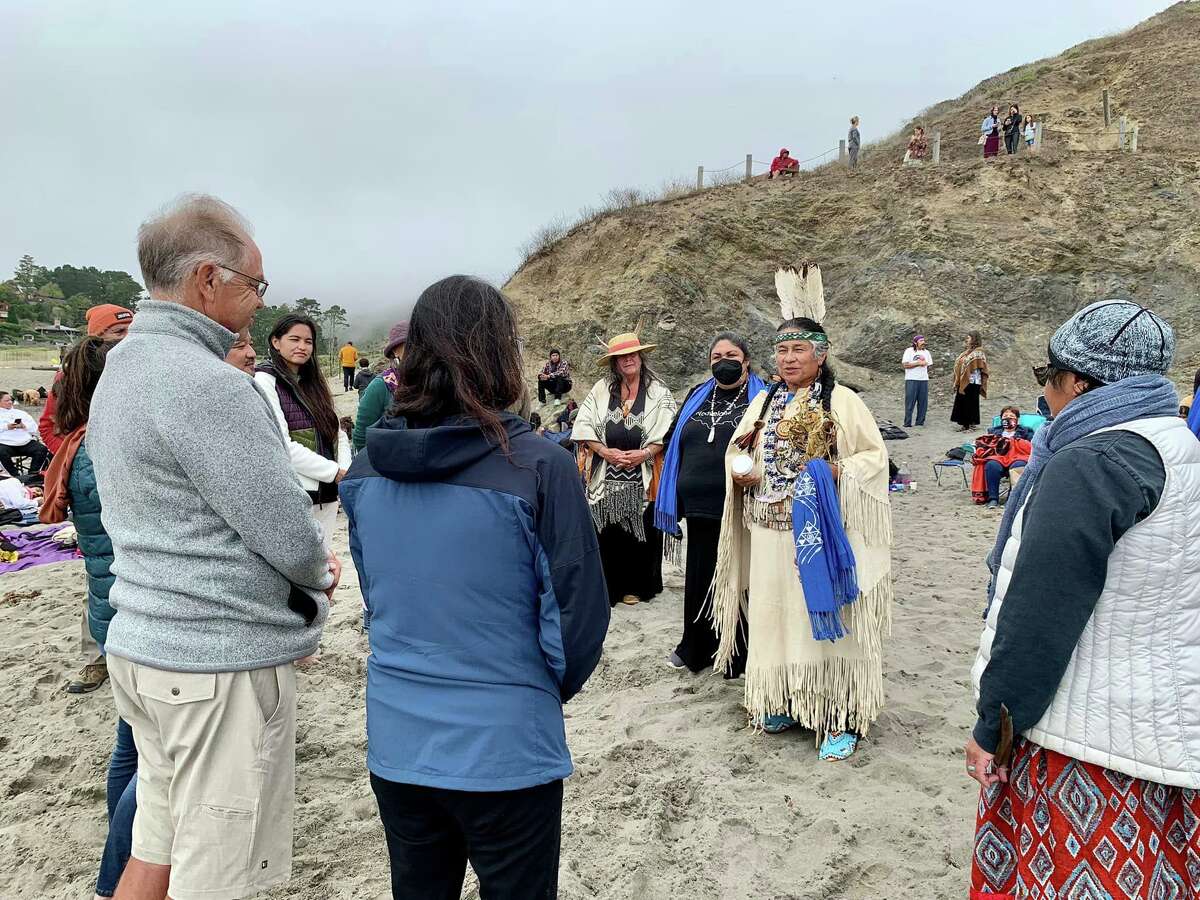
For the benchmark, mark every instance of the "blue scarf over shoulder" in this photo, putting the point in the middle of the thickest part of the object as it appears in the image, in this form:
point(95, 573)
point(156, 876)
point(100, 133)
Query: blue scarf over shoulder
point(824, 558)
point(666, 508)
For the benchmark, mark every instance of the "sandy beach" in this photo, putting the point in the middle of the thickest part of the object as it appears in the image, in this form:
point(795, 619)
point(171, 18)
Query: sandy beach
point(673, 796)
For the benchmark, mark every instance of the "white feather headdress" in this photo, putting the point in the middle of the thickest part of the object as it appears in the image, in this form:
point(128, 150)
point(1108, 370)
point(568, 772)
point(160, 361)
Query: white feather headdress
point(801, 293)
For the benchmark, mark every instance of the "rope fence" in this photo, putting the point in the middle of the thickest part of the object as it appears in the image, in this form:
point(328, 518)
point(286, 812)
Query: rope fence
point(1125, 133)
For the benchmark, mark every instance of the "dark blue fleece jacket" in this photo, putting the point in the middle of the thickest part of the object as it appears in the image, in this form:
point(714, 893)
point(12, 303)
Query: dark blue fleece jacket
point(488, 606)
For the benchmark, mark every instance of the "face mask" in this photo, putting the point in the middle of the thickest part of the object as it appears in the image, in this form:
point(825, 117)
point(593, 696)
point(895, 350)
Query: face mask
point(1009, 423)
point(728, 372)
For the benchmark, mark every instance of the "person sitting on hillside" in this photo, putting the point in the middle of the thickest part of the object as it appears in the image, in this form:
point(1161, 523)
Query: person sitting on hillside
point(918, 147)
point(783, 164)
point(19, 437)
point(363, 376)
point(555, 378)
point(566, 418)
point(1003, 450)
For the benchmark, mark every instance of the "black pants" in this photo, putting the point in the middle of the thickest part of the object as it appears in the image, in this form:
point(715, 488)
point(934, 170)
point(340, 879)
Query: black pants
point(37, 453)
point(698, 645)
point(965, 411)
point(1012, 141)
point(347, 377)
point(510, 837)
point(556, 387)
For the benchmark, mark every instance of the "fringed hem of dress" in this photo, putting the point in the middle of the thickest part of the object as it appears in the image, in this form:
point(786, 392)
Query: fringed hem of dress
point(622, 505)
point(831, 695)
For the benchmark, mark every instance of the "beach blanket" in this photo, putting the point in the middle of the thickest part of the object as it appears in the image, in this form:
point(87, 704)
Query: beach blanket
point(36, 548)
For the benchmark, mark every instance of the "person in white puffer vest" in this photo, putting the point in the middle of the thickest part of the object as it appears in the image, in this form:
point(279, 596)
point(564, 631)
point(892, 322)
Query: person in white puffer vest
point(1091, 640)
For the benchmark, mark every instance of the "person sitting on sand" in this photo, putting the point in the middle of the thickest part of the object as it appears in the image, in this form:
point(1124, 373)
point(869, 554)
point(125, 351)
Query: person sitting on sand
point(200, 651)
point(466, 682)
point(364, 376)
point(1086, 737)
point(378, 396)
point(806, 535)
point(783, 165)
point(1003, 450)
point(692, 489)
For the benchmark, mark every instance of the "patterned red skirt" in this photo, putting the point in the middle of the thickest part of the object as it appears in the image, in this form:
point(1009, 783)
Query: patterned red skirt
point(1062, 828)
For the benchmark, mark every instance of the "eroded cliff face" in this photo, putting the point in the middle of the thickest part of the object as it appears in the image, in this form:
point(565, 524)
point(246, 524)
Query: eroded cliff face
point(1010, 247)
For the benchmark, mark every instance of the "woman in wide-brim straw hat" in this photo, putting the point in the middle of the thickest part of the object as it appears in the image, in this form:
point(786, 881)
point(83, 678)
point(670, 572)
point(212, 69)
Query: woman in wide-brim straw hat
point(1087, 742)
point(804, 559)
point(620, 431)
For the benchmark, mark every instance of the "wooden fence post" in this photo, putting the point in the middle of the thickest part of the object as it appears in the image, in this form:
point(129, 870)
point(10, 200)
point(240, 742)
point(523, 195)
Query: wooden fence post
point(1037, 136)
point(1107, 110)
point(1122, 126)
point(842, 150)
point(749, 166)
point(699, 178)
point(937, 146)
point(1133, 140)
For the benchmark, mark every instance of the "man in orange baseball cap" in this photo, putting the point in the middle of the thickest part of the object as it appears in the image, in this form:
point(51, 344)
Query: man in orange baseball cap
point(108, 321)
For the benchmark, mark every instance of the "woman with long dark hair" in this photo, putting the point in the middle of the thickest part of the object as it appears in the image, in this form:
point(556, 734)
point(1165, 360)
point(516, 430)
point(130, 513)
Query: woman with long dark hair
point(970, 383)
point(71, 484)
point(303, 404)
point(477, 557)
point(692, 487)
point(1012, 129)
point(621, 426)
point(806, 536)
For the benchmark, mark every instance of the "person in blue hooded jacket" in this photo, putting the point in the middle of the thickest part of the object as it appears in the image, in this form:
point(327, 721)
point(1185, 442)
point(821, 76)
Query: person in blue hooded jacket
point(480, 566)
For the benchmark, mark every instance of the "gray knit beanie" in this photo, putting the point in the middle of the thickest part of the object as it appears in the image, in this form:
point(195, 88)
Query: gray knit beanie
point(397, 336)
point(1111, 340)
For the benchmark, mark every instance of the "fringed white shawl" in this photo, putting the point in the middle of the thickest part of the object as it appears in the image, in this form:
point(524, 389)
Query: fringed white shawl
point(825, 685)
point(657, 416)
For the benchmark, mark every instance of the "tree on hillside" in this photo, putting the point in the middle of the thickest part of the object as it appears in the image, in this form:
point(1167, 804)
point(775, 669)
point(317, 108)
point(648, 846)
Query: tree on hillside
point(27, 277)
point(111, 286)
point(50, 291)
point(264, 321)
point(307, 306)
point(332, 323)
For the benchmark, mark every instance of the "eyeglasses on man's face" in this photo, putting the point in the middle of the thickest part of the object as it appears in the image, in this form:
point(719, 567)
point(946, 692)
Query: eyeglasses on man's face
point(256, 284)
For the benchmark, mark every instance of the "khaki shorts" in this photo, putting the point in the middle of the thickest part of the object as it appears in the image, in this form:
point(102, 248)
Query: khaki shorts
point(216, 775)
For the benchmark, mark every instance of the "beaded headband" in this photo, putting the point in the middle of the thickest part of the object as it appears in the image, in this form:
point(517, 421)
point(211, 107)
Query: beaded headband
point(816, 337)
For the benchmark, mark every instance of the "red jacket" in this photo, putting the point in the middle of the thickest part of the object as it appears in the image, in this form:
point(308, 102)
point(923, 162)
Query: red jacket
point(46, 423)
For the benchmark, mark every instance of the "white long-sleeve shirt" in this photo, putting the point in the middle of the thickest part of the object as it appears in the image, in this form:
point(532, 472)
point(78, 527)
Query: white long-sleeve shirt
point(17, 437)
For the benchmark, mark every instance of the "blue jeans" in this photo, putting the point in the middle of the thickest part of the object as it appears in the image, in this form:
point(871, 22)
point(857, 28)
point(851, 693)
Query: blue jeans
point(993, 472)
point(916, 396)
point(121, 789)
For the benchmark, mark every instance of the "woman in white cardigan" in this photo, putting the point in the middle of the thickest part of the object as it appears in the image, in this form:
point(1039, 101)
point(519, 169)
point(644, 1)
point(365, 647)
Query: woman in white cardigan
point(303, 405)
point(1087, 744)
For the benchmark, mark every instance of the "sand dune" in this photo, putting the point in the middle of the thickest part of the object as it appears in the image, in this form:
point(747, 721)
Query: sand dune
point(673, 796)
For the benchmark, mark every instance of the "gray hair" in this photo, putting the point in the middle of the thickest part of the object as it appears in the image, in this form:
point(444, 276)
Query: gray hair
point(190, 231)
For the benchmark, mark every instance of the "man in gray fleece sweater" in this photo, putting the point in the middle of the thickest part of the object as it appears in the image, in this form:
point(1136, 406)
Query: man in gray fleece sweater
point(221, 579)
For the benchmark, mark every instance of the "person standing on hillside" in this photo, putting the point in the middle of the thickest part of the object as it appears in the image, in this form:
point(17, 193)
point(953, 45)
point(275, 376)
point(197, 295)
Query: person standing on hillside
point(555, 378)
point(916, 362)
point(1029, 130)
point(375, 399)
point(363, 377)
point(853, 142)
point(348, 357)
point(622, 424)
point(1012, 129)
point(990, 133)
point(1086, 744)
point(107, 321)
point(918, 147)
point(221, 578)
point(970, 383)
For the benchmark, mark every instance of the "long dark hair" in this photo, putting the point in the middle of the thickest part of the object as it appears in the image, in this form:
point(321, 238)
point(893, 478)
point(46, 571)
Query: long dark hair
point(82, 367)
point(309, 383)
point(461, 357)
point(647, 376)
point(825, 375)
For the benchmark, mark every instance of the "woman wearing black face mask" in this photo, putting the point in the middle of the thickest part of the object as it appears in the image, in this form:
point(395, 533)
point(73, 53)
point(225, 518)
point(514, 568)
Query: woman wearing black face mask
point(693, 487)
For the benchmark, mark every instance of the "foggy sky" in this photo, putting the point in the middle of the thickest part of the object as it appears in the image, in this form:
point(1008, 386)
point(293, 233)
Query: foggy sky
point(379, 146)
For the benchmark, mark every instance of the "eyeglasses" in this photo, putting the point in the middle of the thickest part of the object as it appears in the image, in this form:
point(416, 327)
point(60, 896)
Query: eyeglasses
point(259, 286)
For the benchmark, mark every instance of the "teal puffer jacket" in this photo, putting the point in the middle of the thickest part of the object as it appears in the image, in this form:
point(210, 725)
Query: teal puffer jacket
point(94, 542)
